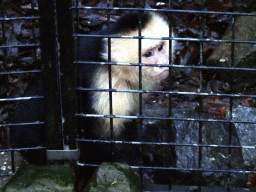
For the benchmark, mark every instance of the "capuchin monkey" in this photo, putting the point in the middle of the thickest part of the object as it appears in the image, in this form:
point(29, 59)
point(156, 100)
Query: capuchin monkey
point(123, 50)
point(123, 77)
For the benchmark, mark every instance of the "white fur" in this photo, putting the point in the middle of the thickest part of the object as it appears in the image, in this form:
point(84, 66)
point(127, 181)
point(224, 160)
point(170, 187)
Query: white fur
point(127, 77)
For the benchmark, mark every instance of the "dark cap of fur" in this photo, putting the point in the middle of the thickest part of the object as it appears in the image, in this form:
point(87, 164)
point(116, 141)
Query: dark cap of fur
point(130, 22)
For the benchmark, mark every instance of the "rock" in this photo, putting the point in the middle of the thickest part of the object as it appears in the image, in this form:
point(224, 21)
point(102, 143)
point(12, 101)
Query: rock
point(244, 53)
point(246, 133)
point(113, 177)
point(30, 178)
point(215, 156)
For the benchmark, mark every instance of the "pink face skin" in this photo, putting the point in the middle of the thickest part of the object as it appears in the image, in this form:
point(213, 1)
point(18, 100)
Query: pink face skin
point(156, 55)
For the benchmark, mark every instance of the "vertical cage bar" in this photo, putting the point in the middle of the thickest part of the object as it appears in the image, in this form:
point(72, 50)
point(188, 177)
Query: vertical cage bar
point(67, 72)
point(50, 60)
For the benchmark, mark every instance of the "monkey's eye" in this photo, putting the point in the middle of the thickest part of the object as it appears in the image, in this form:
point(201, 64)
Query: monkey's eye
point(148, 54)
point(160, 48)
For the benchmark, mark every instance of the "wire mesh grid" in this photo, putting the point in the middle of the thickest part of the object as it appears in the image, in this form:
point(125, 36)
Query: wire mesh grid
point(20, 63)
point(200, 133)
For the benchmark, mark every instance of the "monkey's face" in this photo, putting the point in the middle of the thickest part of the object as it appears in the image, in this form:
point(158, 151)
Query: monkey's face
point(156, 55)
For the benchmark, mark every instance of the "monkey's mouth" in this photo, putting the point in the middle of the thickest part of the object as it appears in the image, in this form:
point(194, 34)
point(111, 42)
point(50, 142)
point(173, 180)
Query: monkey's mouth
point(159, 72)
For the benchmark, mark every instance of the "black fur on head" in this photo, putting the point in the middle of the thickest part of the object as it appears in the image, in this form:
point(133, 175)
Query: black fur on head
point(130, 22)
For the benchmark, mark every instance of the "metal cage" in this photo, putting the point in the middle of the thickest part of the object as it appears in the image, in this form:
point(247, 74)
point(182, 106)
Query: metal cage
point(202, 144)
point(198, 128)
